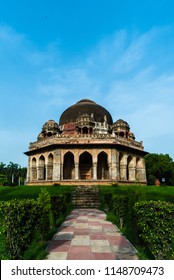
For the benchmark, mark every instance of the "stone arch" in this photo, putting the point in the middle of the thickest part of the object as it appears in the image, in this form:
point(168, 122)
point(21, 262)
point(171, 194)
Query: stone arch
point(49, 134)
point(102, 166)
point(85, 166)
point(68, 166)
point(41, 168)
point(85, 130)
point(34, 169)
point(50, 167)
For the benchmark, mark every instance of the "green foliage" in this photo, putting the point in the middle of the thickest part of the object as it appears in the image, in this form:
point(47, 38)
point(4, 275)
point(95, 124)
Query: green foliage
point(3, 179)
point(27, 222)
point(44, 203)
point(160, 166)
point(151, 180)
point(13, 174)
point(120, 203)
point(155, 220)
point(60, 204)
point(19, 219)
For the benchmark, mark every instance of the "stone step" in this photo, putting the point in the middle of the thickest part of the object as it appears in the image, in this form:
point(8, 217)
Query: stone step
point(86, 196)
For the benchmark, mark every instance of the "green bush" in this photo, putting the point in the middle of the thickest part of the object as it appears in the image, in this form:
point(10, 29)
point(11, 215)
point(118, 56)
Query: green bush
point(155, 220)
point(44, 207)
point(60, 204)
point(19, 220)
point(25, 221)
point(120, 204)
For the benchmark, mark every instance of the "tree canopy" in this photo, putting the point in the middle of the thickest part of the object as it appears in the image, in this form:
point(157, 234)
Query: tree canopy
point(12, 174)
point(159, 166)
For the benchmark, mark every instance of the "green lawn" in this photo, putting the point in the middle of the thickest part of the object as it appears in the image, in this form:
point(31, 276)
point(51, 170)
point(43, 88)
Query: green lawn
point(164, 193)
point(23, 192)
point(148, 192)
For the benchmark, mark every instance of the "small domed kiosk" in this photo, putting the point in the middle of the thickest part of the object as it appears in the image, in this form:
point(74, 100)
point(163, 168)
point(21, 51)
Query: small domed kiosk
point(86, 147)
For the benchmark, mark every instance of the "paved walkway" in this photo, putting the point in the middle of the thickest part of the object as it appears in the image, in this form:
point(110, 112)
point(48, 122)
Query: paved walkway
point(86, 235)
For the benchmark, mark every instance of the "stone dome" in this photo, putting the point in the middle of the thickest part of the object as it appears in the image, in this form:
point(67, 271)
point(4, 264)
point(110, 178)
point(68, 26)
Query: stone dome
point(85, 106)
point(50, 125)
point(121, 124)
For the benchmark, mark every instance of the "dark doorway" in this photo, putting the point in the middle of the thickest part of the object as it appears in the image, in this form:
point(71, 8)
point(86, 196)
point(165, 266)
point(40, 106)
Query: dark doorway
point(102, 166)
point(85, 165)
point(68, 166)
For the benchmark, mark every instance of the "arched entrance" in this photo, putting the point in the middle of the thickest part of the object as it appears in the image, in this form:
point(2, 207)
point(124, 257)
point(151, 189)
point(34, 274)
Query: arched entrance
point(50, 167)
point(42, 168)
point(102, 166)
point(85, 166)
point(68, 166)
point(34, 169)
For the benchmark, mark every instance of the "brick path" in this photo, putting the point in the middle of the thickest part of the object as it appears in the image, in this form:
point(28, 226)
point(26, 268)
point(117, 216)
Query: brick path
point(86, 235)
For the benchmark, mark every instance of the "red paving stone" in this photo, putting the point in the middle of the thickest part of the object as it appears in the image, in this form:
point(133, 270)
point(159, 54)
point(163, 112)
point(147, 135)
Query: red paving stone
point(75, 249)
point(79, 256)
point(103, 256)
point(100, 240)
point(59, 246)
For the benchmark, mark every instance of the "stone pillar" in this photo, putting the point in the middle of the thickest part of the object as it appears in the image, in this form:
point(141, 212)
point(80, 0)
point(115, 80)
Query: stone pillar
point(40, 173)
point(114, 171)
point(49, 172)
point(123, 171)
point(131, 173)
point(141, 174)
point(56, 166)
point(138, 174)
point(109, 171)
point(61, 171)
point(28, 171)
point(76, 171)
point(33, 173)
point(95, 171)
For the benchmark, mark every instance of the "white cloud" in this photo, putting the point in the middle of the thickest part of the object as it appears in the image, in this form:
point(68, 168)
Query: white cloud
point(126, 73)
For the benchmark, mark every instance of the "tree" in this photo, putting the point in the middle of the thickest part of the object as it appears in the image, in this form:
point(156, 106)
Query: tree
point(160, 166)
point(12, 174)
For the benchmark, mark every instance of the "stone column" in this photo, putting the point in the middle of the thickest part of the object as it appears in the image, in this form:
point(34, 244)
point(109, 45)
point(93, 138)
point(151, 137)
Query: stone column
point(49, 172)
point(114, 172)
point(95, 171)
point(40, 172)
point(123, 169)
point(28, 171)
point(76, 171)
point(61, 171)
point(141, 174)
point(33, 173)
point(109, 171)
point(131, 173)
point(56, 166)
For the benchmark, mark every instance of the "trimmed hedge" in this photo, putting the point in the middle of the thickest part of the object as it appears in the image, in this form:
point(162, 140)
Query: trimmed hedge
point(19, 220)
point(24, 220)
point(155, 221)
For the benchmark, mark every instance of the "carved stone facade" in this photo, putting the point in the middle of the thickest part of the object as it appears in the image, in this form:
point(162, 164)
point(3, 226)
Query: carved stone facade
point(86, 147)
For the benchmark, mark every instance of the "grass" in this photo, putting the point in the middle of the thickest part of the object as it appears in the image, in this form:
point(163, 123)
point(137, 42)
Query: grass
point(163, 193)
point(24, 192)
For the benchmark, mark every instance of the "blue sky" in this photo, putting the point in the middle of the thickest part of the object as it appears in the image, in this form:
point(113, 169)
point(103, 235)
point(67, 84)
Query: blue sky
point(53, 53)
